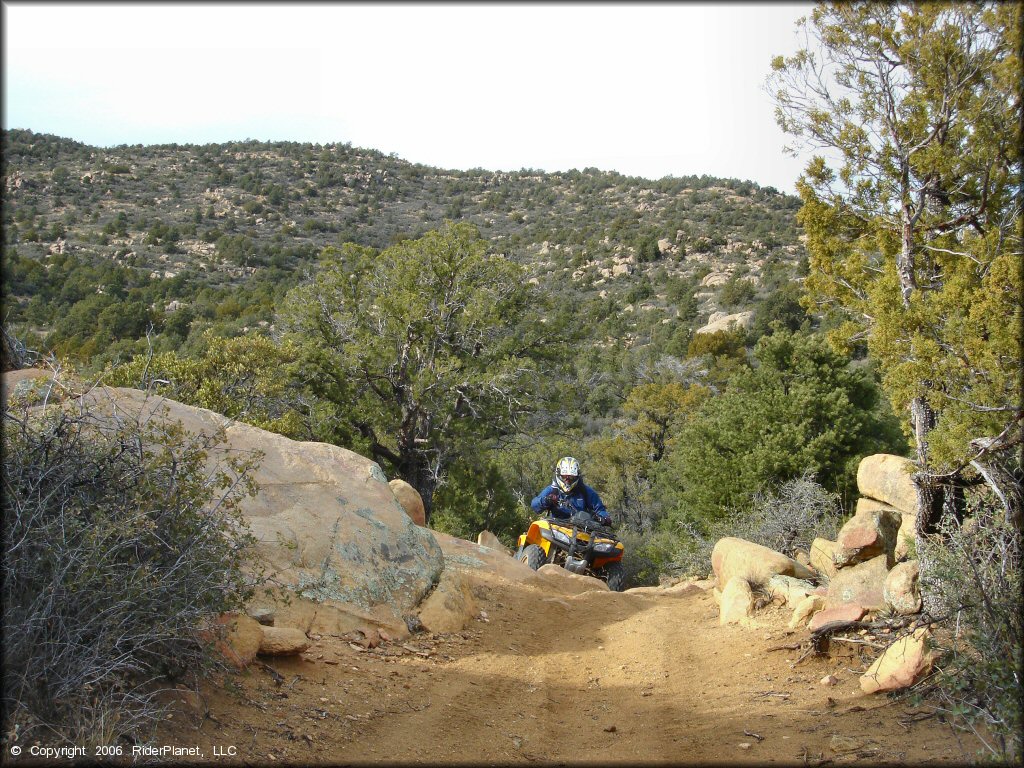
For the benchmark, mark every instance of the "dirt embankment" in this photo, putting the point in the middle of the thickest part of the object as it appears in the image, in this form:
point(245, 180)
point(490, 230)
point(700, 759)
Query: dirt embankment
point(637, 677)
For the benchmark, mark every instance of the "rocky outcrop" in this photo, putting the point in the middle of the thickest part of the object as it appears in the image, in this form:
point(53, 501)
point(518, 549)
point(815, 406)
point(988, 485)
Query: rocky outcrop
point(568, 581)
point(720, 321)
point(733, 557)
point(328, 527)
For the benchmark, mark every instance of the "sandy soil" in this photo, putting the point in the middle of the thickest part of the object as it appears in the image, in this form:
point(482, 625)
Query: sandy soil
point(599, 678)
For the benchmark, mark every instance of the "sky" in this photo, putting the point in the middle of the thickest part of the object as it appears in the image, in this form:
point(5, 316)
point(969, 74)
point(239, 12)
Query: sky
point(651, 90)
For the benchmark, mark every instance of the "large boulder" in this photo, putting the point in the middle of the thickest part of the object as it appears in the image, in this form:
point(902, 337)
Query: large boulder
point(328, 527)
point(869, 533)
point(902, 664)
point(902, 590)
point(888, 478)
point(410, 500)
point(862, 584)
point(736, 557)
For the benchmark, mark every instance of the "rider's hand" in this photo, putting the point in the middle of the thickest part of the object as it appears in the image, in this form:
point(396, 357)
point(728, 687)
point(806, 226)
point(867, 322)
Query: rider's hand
point(552, 500)
point(604, 519)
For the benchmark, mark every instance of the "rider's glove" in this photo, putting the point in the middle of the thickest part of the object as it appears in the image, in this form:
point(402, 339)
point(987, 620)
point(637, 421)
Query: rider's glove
point(604, 519)
point(552, 500)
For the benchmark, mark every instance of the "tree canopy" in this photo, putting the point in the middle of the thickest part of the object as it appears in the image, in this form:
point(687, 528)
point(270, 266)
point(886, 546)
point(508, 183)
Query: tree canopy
point(913, 215)
point(427, 346)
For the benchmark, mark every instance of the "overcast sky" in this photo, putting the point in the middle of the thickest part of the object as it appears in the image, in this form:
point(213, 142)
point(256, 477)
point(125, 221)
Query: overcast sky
point(648, 90)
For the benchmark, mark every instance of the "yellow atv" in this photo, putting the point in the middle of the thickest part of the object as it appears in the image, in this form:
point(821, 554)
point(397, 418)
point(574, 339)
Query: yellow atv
point(579, 544)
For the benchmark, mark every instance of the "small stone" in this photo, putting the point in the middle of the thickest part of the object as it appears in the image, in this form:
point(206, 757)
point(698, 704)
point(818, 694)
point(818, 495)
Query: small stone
point(829, 680)
point(610, 729)
point(744, 745)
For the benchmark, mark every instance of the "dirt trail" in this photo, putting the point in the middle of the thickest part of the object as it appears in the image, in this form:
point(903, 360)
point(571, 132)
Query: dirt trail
point(598, 678)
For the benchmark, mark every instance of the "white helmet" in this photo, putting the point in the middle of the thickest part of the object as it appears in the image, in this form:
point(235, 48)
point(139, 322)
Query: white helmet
point(567, 474)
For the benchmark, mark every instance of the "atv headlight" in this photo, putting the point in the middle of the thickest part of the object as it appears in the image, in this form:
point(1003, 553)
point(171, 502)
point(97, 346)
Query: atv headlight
point(604, 547)
point(559, 536)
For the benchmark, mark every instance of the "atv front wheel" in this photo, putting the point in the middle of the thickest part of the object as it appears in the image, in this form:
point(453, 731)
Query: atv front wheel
point(532, 555)
point(616, 576)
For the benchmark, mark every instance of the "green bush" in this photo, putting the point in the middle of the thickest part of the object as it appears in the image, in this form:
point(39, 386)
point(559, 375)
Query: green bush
point(120, 539)
point(786, 520)
point(973, 580)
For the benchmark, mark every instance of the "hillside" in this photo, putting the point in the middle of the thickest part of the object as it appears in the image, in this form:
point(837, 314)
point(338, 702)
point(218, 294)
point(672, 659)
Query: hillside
point(185, 236)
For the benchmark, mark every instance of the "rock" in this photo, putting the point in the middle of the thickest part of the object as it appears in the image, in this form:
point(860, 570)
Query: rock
point(805, 609)
point(489, 540)
point(906, 537)
point(787, 590)
point(869, 533)
point(845, 612)
point(665, 246)
point(888, 478)
point(327, 524)
point(240, 641)
point(902, 664)
point(739, 320)
point(829, 680)
point(862, 584)
point(30, 382)
point(737, 602)
point(575, 582)
point(736, 557)
point(803, 558)
point(822, 557)
point(410, 500)
point(450, 607)
point(469, 557)
point(902, 590)
point(264, 616)
point(283, 641)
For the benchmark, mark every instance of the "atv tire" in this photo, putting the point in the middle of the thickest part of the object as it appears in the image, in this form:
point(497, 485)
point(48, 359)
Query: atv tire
point(532, 555)
point(616, 576)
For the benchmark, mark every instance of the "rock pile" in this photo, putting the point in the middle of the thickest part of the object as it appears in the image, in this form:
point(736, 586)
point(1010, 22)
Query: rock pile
point(865, 572)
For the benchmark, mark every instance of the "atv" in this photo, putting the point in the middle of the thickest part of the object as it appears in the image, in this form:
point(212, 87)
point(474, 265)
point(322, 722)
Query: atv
point(579, 544)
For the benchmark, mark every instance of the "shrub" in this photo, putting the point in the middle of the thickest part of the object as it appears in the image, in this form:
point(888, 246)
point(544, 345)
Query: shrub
point(120, 538)
point(973, 579)
point(786, 521)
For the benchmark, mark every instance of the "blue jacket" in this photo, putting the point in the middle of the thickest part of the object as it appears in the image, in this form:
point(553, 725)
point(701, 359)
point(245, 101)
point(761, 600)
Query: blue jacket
point(583, 498)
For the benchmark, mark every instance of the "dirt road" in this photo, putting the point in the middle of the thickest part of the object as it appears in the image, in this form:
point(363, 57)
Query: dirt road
point(597, 678)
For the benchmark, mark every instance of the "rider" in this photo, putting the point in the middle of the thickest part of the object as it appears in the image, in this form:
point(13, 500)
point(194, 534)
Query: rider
point(569, 490)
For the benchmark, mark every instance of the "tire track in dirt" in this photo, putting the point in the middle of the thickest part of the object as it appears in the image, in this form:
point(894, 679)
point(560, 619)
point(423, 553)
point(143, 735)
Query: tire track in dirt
point(597, 678)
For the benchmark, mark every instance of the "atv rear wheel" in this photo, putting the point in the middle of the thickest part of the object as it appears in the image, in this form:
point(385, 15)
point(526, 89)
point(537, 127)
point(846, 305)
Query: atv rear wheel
point(532, 555)
point(616, 576)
